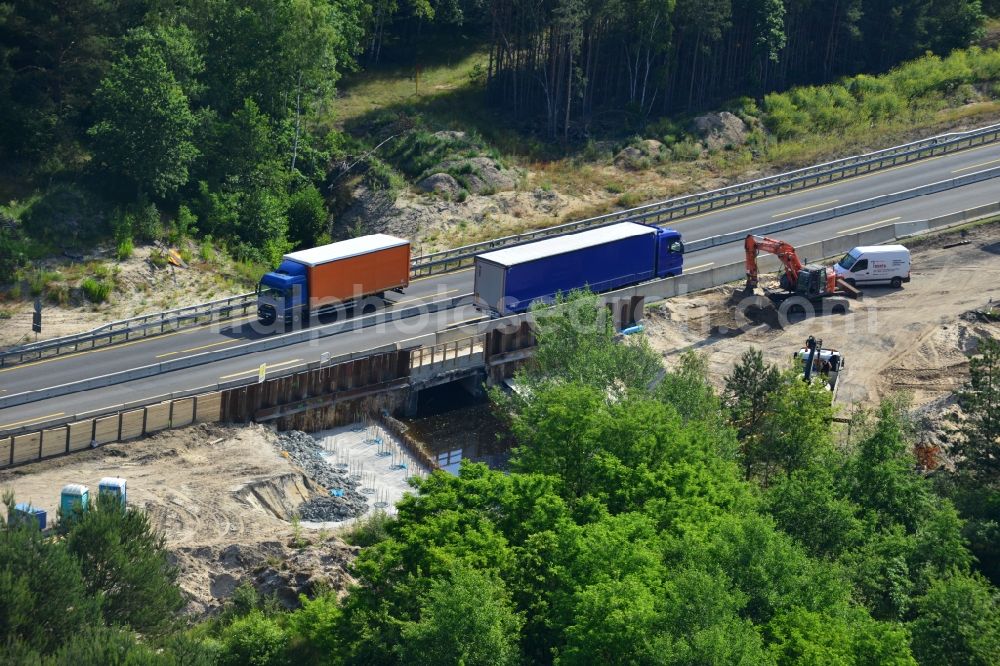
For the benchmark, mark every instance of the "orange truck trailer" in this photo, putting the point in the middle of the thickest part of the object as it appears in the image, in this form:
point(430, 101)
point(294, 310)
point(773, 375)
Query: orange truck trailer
point(351, 273)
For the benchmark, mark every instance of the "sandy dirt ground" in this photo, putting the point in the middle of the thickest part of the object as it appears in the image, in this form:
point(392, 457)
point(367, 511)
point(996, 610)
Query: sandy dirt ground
point(915, 339)
point(223, 498)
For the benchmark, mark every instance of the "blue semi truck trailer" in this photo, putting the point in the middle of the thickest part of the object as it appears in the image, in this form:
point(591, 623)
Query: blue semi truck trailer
point(508, 281)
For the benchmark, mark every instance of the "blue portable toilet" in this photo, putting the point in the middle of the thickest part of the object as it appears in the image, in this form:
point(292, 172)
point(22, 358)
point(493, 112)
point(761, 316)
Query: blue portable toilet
point(24, 512)
point(74, 495)
point(112, 486)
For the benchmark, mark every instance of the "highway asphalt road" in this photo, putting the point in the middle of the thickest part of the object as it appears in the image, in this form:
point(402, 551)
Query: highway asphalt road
point(74, 367)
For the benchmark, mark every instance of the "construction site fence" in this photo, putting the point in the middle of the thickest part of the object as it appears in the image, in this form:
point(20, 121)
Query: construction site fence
point(457, 258)
point(118, 426)
point(69, 434)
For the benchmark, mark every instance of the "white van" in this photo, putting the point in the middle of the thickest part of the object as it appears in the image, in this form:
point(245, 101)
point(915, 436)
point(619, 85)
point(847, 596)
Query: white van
point(875, 263)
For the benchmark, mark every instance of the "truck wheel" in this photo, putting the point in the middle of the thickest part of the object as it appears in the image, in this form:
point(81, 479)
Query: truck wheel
point(851, 281)
point(896, 282)
point(370, 305)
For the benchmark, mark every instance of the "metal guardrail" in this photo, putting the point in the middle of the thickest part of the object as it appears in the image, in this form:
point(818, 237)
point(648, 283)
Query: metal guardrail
point(847, 209)
point(250, 347)
point(460, 257)
point(468, 335)
point(127, 329)
point(672, 209)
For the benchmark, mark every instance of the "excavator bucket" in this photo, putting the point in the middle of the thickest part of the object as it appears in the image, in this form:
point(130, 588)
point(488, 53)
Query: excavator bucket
point(848, 289)
point(748, 289)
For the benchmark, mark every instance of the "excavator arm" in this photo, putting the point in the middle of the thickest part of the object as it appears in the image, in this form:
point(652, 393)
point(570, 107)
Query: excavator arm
point(754, 245)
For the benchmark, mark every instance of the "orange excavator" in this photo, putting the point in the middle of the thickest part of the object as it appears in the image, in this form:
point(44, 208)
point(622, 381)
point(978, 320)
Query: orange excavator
point(812, 281)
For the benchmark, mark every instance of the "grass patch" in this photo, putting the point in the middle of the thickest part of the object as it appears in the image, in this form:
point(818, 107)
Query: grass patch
point(96, 291)
point(247, 274)
point(206, 250)
point(158, 259)
point(124, 249)
point(394, 85)
point(39, 281)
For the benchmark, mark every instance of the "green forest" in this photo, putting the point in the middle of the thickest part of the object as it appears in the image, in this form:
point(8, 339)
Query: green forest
point(646, 520)
point(128, 121)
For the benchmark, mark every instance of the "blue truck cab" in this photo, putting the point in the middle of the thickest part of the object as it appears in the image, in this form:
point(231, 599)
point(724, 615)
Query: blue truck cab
point(283, 292)
point(669, 253)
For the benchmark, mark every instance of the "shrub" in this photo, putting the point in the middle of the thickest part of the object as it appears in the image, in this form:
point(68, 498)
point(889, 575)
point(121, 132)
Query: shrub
point(96, 291)
point(307, 216)
point(420, 150)
point(146, 225)
point(184, 225)
point(13, 253)
point(255, 640)
point(687, 150)
point(369, 530)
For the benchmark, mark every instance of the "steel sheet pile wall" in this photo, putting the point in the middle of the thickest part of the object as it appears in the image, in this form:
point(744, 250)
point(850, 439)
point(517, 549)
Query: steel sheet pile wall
point(413, 446)
point(507, 349)
point(320, 397)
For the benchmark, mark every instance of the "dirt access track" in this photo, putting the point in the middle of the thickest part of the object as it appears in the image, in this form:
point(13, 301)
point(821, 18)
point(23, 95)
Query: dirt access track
point(914, 339)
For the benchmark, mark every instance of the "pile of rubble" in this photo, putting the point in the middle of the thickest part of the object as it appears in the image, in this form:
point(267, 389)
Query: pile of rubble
point(343, 502)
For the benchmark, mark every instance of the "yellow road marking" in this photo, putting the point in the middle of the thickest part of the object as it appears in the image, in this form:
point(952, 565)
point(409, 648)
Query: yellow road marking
point(799, 210)
point(848, 231)
point(269, 366)
point(27, 421)
point(119, 345)
point(431, 296)
point(694, 268)
point(975, 166)
point(437, 275)
point(214, 344)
